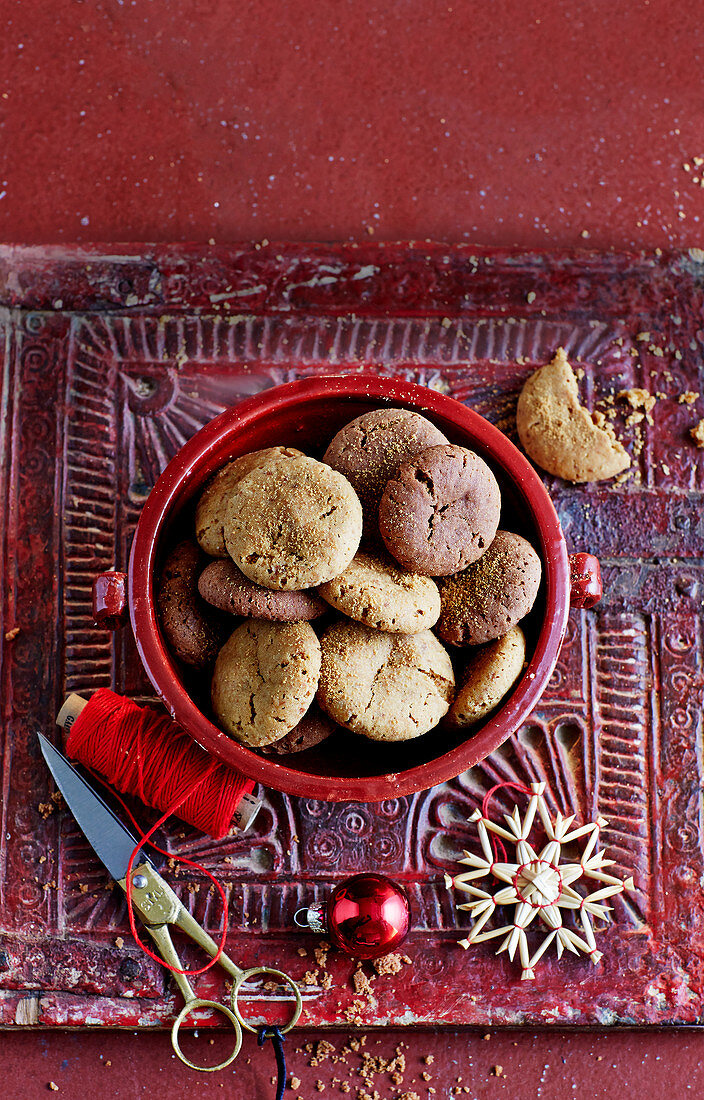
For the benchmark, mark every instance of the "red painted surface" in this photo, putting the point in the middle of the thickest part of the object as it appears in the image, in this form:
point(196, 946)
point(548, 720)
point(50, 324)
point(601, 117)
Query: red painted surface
point(500, 123)
point(563, 118)
point(534, 1066)
point(306, 414)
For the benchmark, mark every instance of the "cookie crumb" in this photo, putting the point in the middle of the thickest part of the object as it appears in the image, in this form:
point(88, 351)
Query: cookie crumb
point(390, 964)
point(639, 399)
point(321, 954)
point(53, 1086)
point(697, 433)
point(497, 1071)
point(321, 1051)
point(10, 635)
point(47, 808)
point(295, 1082)
point(686, 398)
point(353, 1012)
point(361, 983)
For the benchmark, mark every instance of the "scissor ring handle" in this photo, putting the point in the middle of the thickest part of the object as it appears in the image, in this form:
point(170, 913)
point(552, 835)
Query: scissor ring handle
point(214, 1006)
point(283, 978)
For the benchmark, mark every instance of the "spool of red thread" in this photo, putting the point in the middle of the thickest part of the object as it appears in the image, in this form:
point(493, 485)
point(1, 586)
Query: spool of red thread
point(142, 753)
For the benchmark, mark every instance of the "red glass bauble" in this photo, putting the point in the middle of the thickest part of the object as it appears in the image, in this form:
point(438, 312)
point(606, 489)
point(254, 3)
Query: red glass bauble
point(368, 916)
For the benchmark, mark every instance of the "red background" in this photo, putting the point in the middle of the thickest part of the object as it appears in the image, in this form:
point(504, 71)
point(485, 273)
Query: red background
point(544, 124)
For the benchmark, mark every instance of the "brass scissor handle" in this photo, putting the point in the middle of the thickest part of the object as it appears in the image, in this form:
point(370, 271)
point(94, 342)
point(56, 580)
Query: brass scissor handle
point(214, 1006)
point(283, 978)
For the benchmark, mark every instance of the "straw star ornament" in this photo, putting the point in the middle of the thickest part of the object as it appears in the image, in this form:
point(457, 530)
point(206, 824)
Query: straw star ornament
point(539, 884)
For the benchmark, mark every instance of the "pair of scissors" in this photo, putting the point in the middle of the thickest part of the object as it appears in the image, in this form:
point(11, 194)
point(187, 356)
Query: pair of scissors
point(157, 905)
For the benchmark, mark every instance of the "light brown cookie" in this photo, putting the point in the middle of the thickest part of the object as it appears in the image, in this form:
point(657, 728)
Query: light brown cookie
point(388, 687)
point(225, 586)
point(264, 680)
point(440, 511)
point(488, 677)
point(192, 630)
point(293, 525)
point(374, 591)
point(559, 434)
point(210, 510)
point(490, 596)
point(370, 449)
point(313, 728)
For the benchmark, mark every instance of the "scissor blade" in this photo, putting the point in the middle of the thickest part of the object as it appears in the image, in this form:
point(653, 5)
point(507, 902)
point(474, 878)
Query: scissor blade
point(112, 842)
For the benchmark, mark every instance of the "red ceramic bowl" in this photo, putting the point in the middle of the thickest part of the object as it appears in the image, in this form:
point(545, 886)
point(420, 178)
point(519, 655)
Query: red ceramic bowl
point(307, 414)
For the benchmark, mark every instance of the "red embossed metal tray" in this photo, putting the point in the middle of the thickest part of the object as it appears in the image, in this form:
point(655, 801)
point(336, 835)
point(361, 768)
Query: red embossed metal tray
point(110, 361)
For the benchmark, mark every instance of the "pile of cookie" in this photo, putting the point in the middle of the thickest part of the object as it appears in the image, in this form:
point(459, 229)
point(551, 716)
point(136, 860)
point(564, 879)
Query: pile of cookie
point(348, 575)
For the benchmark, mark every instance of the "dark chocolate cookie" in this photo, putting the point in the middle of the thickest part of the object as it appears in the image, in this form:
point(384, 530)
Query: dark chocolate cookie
point(193, 631)
point(440, 512)
point(485, 600)
point(225, 586)
point(370, 449)
point(313, 728)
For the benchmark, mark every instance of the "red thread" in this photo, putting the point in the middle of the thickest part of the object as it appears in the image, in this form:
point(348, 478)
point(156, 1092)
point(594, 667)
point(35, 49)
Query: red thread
point(496, 843)
point(500, 787)
point(148, 755)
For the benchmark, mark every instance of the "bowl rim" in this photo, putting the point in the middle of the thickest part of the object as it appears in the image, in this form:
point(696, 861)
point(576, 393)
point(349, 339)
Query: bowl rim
point(170, 488)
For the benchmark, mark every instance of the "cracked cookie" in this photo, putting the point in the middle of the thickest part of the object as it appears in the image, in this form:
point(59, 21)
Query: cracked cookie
point(490, 596)
point(440, 511)
point(212, 504)
point(559, 434)
point(489, 676)
point(191, 628)
point(224, 586)
point(293, 525)
point(370, 449)
point(264, 680)
point(388, 687)
point(374, 591)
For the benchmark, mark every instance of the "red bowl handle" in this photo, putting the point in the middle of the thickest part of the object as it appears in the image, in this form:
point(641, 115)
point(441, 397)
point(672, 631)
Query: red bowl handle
point(110, 600)
point(585, 580)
